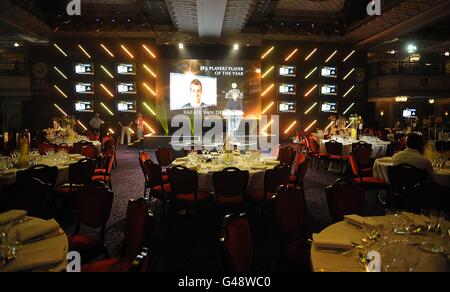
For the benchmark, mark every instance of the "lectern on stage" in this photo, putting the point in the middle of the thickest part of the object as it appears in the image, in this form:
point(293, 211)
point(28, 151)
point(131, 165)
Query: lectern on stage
point(234, 118)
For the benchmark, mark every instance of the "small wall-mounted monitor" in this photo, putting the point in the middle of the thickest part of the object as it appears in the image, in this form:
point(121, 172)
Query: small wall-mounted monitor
point(410, 113)
point(329, 107)
point(287, 88)
point(84, 88)
point(287, 71)
point(126, 106)
point(126, 88)
point(126, 69)
point(84, 68)
point(84, 106)
point(329, 72)
point(287, 107)
point(327, 89)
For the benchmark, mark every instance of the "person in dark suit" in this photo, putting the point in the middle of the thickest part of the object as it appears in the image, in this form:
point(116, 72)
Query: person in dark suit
point(196, 92)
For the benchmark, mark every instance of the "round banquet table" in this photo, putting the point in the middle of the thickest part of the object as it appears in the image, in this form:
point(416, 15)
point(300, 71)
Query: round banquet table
point(46, 255)
point(9, 177)
point(381, 165)
point(340, 261)
point(205, 175)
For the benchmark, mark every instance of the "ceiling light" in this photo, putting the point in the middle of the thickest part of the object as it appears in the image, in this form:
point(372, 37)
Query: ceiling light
point(236, 47)
point(431, 101)
point(16, 45)
point(411, 48)
point(447, 54)
point(181, 46)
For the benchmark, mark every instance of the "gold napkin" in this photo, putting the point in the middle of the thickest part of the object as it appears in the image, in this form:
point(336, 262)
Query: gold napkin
point(11, 216)
point(31, 231)
point(272, 162)
point(360, 221)
point(259, 167)
point(332, 241)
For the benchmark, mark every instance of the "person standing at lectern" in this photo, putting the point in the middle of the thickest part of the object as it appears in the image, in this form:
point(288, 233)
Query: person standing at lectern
point(235, 109)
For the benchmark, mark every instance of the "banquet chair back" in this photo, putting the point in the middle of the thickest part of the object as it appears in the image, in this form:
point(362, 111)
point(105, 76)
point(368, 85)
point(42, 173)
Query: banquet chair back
point(230, 182)
point(164, 156)
point(395, 147)
point(138, 227)
point(334, 148)
point(402, 178)
point(274, 178)
point(302, 164)
point(287, 155)
point(345, 198)
point(429, 196)
point(314, 145)
point(237, 244)
point(78, 147)
point(183, 180)
point(361, 152)
point(34, 196)
point(46, 174)
point(81, 173)
point(44, 148)
point(90, 151)
point(154, 173)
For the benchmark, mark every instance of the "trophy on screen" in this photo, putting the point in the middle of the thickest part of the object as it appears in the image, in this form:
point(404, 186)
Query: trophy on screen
point(234, 111)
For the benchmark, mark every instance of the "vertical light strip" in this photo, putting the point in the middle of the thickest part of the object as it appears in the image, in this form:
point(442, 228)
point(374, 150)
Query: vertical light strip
point(107, 72)
point(107, 90)
point(311, 90)
point(267, 108)
point(107, 50)
point(83, 126)
point(329, 126)
point(349, 108)
point(311, 108)
point(331, 56)
point(291, 55)
point(268, 89)
point(149, 51)
point(310, 73)
point(107, 109)
point(84, 51)
point(149, 89)
point(60, 72)
point(148, 127)
point(61, 50)
point(349, 55)
point(290, 127)
point(267, 72)
point(127, 51)
point(149, 109)
point(267, 53)
point(310, 126)
point(350, 90)
point(149, 70)
point(60, 91)
point(60, 109)
point(311, 54)
point(349, 73)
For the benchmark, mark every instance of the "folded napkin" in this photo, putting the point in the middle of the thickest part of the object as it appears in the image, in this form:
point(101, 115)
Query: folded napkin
point(11, 216)
point(418, 220)
point(360, 221)
point(182, 159)
point(272, 162)
point(259, 167)
point(36, 256)
point(332, 241)
point(40, 228)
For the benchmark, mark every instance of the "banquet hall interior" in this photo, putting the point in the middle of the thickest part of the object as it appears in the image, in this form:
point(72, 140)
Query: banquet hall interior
point(225, 136)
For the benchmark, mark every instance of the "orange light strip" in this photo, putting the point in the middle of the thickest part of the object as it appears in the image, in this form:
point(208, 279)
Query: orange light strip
point(267, 72)
point(311, 108)
point(311, 54)
point(350, 90)
point(150, 128)
point(149, 89)
point(349, 125)
point(126, 51)
point(291, 55)
point(311, 90)
point(60, 72)
point(268, 89)
point(107, 90)
point(149, 109)
point(310, 73)
point(83, 126)
point(84, 51)
point(111, 131)
point(267, 108)
point(331, 124)
point(107, 109)
point(60, 91)
point(149, 70)
point(349, 108)
point(267, 53)
point(331, 56)
point(107, 72)
point(107, 50)
point(267, 126)
point(310, 126)
point(290, 127)
point(149, 51)
point(349, 73)
point(349, 55)
point(61, 50)
point(60, 109)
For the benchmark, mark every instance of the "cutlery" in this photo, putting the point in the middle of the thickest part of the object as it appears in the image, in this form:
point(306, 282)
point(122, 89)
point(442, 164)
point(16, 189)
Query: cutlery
point(44, 237)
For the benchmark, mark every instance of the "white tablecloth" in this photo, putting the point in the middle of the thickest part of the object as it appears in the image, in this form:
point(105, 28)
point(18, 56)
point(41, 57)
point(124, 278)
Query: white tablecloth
point(381, 165)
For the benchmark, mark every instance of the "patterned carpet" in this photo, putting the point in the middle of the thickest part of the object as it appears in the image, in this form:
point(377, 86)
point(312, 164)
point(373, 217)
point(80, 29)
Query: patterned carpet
point(191, 243)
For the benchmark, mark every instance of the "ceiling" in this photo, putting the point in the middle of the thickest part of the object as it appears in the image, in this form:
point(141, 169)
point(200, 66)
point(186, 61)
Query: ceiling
point(225, 21)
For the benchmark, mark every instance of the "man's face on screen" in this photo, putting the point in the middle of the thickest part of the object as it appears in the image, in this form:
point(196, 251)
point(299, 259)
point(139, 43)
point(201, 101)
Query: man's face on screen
point(196, 95)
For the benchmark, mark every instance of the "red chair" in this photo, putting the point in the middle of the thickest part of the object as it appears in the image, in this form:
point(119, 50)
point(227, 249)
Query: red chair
point(287, 156)
point(289, 212)
point(78, 147)
point(345, 198)
point(364, 177)
point(315, 153)
point(237, 244)
point(44, 148)
point(137, 232)
point(164, 157)
point(230, 186)
point(334, 151)
point(80, 174)
point(104, 174)
point(90, 151)
point(158, 188)
point(297, 180)
point(94, 205)
point(47, 174)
